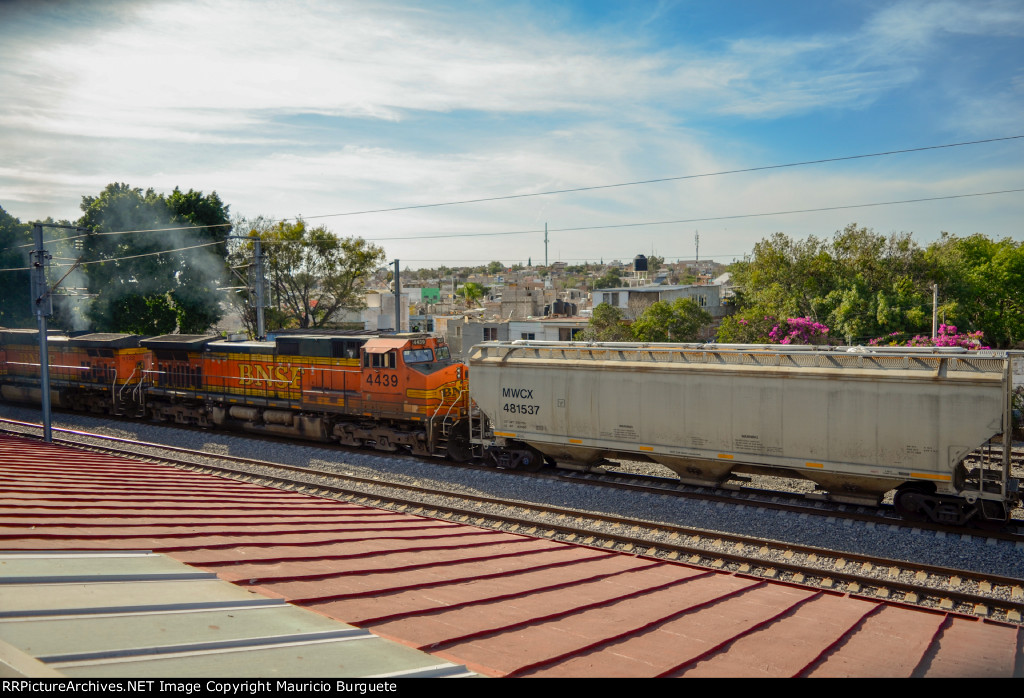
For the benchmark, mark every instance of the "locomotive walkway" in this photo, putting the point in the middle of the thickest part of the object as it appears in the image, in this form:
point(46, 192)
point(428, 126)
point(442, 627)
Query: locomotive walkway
point(498, 603)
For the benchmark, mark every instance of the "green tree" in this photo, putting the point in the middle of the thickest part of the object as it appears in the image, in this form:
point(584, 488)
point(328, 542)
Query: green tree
point(312, 273)
point(861, 284)
point(495, 268)
point(15, 245)
point(981, 286)
point(736, 329)
point(472, 292)
point(162, 276)
point(611, 279)
point(678, 321)
point(607, 324)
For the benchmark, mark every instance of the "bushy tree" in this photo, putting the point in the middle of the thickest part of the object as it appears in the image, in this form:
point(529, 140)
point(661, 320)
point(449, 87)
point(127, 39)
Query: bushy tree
point(860, 284)
point(864, 285)
point(611, 279)
point(165, 276)
point(981, 285)
point(607, 324)
point(678, 321)
point(312, 273)
point(737, 329)
point(15, 304)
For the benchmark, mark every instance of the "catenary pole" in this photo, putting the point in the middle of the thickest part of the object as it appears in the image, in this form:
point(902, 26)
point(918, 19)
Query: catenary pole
point(42, 306)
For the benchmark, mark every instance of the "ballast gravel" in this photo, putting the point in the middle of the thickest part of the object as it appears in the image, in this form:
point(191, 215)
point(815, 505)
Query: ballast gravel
point(971, 551)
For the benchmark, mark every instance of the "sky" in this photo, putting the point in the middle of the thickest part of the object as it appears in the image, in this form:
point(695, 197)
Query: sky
point(336, 110)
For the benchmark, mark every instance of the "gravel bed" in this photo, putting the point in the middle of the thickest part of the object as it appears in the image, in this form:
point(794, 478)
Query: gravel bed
point(970, 551)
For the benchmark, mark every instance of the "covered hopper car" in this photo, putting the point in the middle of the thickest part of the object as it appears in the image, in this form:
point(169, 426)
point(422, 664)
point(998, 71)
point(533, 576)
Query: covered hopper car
point(857, 422)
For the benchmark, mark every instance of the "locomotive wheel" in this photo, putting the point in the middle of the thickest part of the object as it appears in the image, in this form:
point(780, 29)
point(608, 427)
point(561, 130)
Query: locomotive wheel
point(458, 447)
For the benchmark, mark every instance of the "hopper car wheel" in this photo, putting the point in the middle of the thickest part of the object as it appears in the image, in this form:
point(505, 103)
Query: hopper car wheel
point(518, 457)
point(920, 503)
point(911, 502)
point(530, 461)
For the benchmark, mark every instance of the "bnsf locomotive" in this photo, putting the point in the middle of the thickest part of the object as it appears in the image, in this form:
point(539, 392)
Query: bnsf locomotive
point(390, 392)
point(934, 425)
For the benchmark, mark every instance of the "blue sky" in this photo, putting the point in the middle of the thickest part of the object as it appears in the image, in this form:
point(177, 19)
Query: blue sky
point(316, 108)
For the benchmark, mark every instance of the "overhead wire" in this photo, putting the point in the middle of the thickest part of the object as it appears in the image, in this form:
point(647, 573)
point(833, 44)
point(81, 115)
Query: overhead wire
point(698, 220)
point(598, 187)
point(667, 179)
point(594, 227)
point(121, 259)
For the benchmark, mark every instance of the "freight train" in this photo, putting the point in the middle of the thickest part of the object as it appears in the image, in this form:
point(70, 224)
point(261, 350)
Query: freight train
point(934, 425)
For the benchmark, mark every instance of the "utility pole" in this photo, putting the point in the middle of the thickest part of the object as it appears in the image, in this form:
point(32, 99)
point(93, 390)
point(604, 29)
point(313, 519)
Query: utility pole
point(398, 300)
point(261, 330)
point(935, 308)
point(254, 280)
point(42, 306)
point(545, 243)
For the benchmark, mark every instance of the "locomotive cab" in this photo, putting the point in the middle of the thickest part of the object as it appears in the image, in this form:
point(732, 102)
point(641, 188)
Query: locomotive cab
point(413, 377)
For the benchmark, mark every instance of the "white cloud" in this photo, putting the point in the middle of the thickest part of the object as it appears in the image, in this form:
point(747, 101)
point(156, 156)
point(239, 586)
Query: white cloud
point(164, 72)
point(218, 95)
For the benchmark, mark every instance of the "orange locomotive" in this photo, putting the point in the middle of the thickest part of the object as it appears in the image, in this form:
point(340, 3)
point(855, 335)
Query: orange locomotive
point(102, 373)
point(391, 392)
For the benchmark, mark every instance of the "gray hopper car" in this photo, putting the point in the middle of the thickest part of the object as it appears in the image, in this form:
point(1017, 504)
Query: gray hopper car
point(858, 422)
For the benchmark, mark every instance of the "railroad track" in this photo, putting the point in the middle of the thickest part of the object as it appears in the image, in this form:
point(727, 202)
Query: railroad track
point(797, 502)
point(799, 499)
point(735, 492)
point(930, 586)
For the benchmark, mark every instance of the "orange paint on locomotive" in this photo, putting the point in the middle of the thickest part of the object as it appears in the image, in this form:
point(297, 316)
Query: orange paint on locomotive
point(409, 379)
point(255, 375)
point(105, 367)
point(78, 365)
point(265, 375)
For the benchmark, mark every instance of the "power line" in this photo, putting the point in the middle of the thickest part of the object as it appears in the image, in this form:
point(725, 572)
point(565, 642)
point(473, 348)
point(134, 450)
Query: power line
point(121, 259)
point(666, 179)
point(803, 210)
point(697, 220)
point(126, 232)
point(598, 227)
point(582, 189)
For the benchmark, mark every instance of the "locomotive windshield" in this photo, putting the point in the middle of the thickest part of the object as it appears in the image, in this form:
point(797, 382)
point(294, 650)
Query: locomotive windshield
point(426, 360)
point(418, 356)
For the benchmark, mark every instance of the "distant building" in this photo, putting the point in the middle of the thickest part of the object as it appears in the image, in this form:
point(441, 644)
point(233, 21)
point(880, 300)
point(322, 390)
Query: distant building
point(520, 302)
point(379, 313)
point(564, 329)
point(633, 301)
